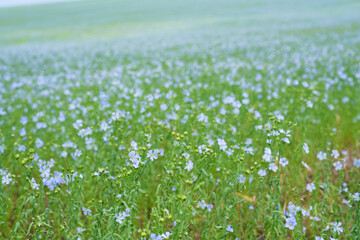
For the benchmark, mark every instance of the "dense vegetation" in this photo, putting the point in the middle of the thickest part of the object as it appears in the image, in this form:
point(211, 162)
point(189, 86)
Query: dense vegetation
point(234, 133)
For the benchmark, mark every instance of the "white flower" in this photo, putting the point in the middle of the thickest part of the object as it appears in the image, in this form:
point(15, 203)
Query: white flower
point(321, 156)
point(163, 107)
point(34, 185)
point(229, 228)
point(201, 148)
point(222, 144)
point(356, 197)
point(78, 124)
point(336, 227)
point(286, 140)
point(290, 223)
point(262, 172)
point(189, 165)
point(305, 164)
point(267, 155)
point(283, 162)
point(310, 187)
point(229, 152)
point(241, 179)
point(356, 163)
point(134, 158)
point(309, 104)
point(152, 154)
point(134, 145)
point(6, 179)
point(202, 204)
point(202, 118)
point(306, 148)
point(273, 167)
point(335, 153)
point(85, 132)
point(337, 165)
point(166, 235)
point(22, 132)
point(346, 202)
point(39, 143)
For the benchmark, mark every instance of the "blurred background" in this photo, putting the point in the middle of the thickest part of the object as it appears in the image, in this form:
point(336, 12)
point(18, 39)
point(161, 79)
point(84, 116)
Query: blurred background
point(60, 21)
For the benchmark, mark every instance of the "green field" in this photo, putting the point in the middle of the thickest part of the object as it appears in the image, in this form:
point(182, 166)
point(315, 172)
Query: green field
point(114, 20)
point(180, 120)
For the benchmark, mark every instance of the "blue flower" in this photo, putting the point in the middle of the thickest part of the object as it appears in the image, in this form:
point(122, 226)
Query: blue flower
point(290, 223)
point(306, 148)
point(189, 165)
point(86, 211)
point(153, 236)
point(229, 228)
point(262, 172)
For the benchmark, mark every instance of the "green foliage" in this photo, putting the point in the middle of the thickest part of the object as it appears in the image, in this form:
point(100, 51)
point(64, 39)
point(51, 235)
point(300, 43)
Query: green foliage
point(250, 131)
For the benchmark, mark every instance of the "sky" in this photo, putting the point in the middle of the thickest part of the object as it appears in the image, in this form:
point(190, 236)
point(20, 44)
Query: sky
point(13, 3)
